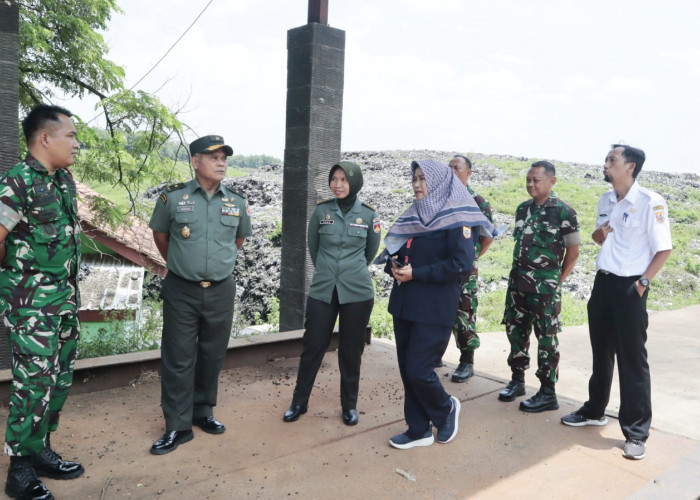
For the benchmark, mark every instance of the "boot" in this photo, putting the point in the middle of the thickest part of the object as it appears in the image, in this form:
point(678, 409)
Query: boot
point(465, 369)
point(515, 388)
point(22, 482)
point(544, 400)
point(50, 464)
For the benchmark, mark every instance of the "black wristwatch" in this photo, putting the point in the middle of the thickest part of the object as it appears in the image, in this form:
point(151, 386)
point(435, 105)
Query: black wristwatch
point(644, 282)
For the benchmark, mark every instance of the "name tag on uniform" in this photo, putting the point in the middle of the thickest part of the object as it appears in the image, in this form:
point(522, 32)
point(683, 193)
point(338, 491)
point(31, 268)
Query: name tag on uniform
point(363, 226)
point(328, 221)
point(185, 209)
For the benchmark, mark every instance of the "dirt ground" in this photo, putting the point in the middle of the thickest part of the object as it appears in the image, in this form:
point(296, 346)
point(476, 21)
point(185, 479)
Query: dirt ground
point(499, 452)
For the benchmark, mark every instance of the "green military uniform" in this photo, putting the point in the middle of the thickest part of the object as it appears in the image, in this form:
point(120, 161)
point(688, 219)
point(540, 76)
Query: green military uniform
point(198, 294)
point(542, 233)
point(464, 330)
point(39, 297)
point(342, 243)
point(341, 247)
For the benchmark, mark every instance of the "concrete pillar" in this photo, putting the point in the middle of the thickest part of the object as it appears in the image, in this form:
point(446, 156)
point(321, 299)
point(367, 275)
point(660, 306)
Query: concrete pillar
point(9, 83)
point(315, 76)
point(9, 107)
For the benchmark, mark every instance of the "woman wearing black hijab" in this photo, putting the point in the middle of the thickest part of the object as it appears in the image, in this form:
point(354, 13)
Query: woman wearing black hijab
point(343, 238)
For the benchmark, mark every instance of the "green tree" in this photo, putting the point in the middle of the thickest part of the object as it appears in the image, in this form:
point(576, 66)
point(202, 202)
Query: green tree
point(62, 54)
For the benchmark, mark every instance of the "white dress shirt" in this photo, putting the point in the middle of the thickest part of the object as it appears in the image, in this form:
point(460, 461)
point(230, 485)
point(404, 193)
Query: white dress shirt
point(640, 229)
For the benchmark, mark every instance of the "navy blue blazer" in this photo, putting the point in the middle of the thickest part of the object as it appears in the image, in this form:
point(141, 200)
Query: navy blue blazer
point(438, 260)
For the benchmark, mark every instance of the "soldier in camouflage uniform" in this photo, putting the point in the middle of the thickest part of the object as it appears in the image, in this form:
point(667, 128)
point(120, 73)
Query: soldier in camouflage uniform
point(465, 325)
point(40, 252)
point(546, 248)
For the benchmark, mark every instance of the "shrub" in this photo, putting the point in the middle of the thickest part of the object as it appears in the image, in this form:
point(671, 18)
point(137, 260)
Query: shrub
point(126, 336)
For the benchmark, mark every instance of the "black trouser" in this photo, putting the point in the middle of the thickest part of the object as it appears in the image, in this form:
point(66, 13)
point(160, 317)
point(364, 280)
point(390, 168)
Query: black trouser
point(617, 323)
point(320, 320)
point(425, 399)
point(196, 330)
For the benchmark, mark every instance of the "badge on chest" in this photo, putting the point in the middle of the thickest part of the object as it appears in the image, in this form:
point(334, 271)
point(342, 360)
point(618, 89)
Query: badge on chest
point(230, 209)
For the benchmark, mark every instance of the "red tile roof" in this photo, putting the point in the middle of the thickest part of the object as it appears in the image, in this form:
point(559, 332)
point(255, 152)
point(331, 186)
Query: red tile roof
point(133, 239)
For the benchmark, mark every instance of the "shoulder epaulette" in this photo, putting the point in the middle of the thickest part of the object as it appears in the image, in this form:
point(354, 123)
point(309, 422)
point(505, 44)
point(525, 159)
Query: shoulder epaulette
point(175, 187)
point(369, 206)
point(321, 202)
point(235, 191)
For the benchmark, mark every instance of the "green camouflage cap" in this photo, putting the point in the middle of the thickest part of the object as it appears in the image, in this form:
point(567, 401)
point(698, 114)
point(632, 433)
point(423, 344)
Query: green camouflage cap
point(209, 144)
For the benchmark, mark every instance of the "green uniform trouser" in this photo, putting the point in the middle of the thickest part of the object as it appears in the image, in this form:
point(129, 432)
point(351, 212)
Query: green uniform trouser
point(522, 312)
point(43, 358)
point(196, 330)
point(465, 325)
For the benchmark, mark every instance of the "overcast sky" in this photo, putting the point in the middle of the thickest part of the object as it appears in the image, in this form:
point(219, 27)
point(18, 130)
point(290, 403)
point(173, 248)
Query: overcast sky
point(539, 78)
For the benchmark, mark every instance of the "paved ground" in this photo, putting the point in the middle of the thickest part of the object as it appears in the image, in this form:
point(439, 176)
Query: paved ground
point(500, 452)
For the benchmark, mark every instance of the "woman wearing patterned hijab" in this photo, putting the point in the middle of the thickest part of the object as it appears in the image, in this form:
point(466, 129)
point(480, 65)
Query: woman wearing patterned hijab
point(431, 245)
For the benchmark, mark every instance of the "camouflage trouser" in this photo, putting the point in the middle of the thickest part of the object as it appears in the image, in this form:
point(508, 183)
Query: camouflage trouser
point(522, 312)
point(43, 356)
point(465, 325)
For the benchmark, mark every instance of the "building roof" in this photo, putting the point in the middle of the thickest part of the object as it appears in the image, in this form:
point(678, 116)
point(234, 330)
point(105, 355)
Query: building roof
point(132, 240)
point(110, 283)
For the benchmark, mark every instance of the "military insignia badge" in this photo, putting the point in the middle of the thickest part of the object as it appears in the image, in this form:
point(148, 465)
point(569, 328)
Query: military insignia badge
point(466, 232)
point(358, 220)
point(224, 199)
point(247, 210)
point(377, 226)
point(185, 232)
point(185, 196)
point(163, 197)
point(328, 216)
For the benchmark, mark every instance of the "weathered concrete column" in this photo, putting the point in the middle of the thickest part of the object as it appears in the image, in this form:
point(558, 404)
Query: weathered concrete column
point(315, 75)
point(9, 107)
point(9, 83)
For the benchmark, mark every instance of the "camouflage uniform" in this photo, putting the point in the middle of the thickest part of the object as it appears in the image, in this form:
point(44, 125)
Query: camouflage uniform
point(541, 234)
point(39, 297)
point(465, 325)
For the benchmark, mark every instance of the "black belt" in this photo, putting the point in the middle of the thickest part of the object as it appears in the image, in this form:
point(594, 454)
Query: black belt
point(612, 275)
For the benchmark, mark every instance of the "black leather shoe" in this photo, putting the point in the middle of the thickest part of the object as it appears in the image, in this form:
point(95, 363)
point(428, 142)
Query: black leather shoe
point(50, 464)
point(350, 417)
point(544, 400)
point(512, 391)
point(209, 424)
point(22, 482)
point(294, 412)
point(463, 372)
point(170, 441)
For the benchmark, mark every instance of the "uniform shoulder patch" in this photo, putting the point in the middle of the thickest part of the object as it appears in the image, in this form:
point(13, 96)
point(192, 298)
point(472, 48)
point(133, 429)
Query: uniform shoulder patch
point(175, 187)
point(163, 197)
point(369, 206)
point(321, 202)
point(466, 232)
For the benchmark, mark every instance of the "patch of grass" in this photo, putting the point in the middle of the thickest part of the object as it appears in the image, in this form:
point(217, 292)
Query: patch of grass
point(381, 321)
point(126, 336)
